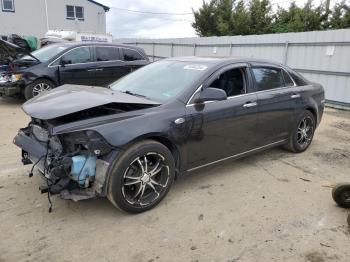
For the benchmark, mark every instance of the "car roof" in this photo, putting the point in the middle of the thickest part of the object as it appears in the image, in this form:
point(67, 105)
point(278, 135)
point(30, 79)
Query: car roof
point(222, 60)
point(77, 44)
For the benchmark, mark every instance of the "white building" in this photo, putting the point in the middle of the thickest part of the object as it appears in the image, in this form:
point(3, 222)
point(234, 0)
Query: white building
point(36, 17)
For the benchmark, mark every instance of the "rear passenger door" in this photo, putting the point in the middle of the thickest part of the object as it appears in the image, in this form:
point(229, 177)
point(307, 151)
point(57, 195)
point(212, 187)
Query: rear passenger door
point(133, 58)
point(109, 65)
point(277, 100)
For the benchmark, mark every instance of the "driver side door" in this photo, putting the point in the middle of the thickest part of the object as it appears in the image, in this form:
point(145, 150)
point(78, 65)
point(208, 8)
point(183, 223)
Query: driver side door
point(77, 67)
point(221, 129)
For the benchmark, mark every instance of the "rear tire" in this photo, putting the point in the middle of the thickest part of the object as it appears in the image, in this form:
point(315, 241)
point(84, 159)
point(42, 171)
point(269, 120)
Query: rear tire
point(302, 133)
point(37, 87)
point(141, 177)
point(341, 195)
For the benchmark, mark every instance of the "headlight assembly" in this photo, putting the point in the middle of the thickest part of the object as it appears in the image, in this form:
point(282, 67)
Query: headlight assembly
point(16, 77)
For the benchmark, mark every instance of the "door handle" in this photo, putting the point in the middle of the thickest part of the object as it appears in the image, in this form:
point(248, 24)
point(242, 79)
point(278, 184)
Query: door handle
point(99, 69)
point(295, 96)
point(250, 104)
point(91, 70)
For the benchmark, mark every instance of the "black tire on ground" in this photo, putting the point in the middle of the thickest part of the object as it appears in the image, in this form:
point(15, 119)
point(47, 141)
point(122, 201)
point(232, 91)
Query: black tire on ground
point(141, 177)
point(341, 195)
point(30, 90)
point(296, 143)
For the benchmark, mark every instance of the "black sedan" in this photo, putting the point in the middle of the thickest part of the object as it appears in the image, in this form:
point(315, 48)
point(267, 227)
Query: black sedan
point(96, 64)
point(131, 141)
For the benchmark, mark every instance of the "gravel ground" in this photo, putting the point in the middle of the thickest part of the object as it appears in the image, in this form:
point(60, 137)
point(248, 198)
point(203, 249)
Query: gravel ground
point(273, 206)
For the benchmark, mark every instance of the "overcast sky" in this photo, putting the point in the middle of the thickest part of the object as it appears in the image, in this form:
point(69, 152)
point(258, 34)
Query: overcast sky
point(126, 24)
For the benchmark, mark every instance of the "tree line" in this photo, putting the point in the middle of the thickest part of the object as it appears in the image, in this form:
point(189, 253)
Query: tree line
point(247, 17)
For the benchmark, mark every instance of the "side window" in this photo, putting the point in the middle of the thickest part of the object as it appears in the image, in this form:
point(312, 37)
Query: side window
point(107, 54)
point(77, 55)
point(287, 80)
point(299, 80)
point(233, 82)
point(267, 78)
point(131, 55)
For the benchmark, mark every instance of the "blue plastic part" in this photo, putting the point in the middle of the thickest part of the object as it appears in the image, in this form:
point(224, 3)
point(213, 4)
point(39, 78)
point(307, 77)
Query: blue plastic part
point(83, 167)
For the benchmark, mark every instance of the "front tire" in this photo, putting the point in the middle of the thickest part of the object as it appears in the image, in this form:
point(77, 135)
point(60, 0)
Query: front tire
point(341, 195)
point(37, 87)
point(141, 177)
point(303, 133)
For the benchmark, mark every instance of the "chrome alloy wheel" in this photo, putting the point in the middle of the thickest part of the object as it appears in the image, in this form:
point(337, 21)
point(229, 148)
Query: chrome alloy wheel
point(145, 179)
point(39, 88)
point(305, 131)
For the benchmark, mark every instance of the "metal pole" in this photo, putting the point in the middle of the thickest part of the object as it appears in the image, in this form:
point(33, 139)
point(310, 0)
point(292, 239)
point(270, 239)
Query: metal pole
point(194, 49)
point(230, 49)
point(47, 16)
point(285, 55)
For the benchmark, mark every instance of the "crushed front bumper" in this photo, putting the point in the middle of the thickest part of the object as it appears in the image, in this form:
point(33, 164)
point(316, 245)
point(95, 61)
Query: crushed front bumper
point(9, 89)
point(35, 152)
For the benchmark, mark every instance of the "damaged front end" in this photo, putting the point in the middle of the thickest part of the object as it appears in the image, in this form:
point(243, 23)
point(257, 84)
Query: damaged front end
point(73, 165)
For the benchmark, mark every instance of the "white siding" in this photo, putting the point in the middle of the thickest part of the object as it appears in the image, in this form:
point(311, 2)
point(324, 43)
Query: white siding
point(29, 17)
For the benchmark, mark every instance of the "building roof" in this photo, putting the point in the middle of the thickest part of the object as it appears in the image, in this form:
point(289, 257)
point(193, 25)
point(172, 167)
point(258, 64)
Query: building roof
point(106, 8)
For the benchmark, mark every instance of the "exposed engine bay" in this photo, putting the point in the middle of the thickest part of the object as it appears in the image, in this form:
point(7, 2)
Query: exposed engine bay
point(67, 162)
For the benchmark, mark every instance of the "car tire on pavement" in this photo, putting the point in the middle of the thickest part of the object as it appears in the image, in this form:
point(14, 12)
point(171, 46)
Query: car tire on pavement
point(303, 133)
point(141, 177)
point(37, 87)
point(341, 195)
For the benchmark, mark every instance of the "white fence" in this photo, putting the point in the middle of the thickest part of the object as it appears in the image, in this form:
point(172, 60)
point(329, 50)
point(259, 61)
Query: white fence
point(321, 56)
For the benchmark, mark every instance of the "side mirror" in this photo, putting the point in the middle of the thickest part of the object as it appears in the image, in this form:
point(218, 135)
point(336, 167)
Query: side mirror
point(211, 94)
point(64, 62)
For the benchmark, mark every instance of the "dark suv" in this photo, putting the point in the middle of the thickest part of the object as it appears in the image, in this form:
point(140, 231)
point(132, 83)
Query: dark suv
point(97, 64)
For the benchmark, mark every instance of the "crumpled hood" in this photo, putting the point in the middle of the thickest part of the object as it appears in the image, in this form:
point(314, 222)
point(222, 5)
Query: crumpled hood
point(69, 99)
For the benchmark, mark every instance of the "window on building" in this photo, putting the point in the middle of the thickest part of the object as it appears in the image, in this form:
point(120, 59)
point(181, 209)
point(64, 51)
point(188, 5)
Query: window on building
point(8, 5)
point(131, 55)
point(75, 12)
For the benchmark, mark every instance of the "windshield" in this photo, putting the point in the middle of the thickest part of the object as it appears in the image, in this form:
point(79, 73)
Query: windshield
point(45, 53)
point(162, 80)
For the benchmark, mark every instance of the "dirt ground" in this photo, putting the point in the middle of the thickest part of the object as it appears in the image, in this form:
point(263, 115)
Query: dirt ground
point(273, 206)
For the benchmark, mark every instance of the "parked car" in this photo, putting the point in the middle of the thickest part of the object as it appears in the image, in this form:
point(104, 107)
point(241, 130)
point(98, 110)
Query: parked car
point(168, 118)
point(96, 64)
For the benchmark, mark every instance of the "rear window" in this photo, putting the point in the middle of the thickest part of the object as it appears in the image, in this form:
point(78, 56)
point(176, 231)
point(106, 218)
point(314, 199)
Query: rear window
point(287, 80)
point(299, 80)
point(268, 78)
point(107, 54)
point(131, 55)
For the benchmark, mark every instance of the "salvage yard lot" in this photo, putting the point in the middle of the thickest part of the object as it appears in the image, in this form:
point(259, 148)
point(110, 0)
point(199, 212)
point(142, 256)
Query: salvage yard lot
point(271, 206)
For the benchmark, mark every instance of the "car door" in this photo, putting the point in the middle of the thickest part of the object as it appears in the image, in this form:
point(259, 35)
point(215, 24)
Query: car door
point(133, 59)
point(109, 65)
point(76, 67)
point(277, 99)
point(220, 129)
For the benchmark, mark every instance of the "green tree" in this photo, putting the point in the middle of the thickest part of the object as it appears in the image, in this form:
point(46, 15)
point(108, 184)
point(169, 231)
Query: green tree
point(205, 20)
point(340, 16)
point(244, 17)
point(260, 17)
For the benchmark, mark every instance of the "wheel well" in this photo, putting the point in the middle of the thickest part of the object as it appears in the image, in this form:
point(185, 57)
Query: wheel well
point(313, 111)
point(46, 78)
point(173, 149)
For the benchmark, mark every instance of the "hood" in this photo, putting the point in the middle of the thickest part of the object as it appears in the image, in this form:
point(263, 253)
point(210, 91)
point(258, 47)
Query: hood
point(69, 99)
point(10, 52)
